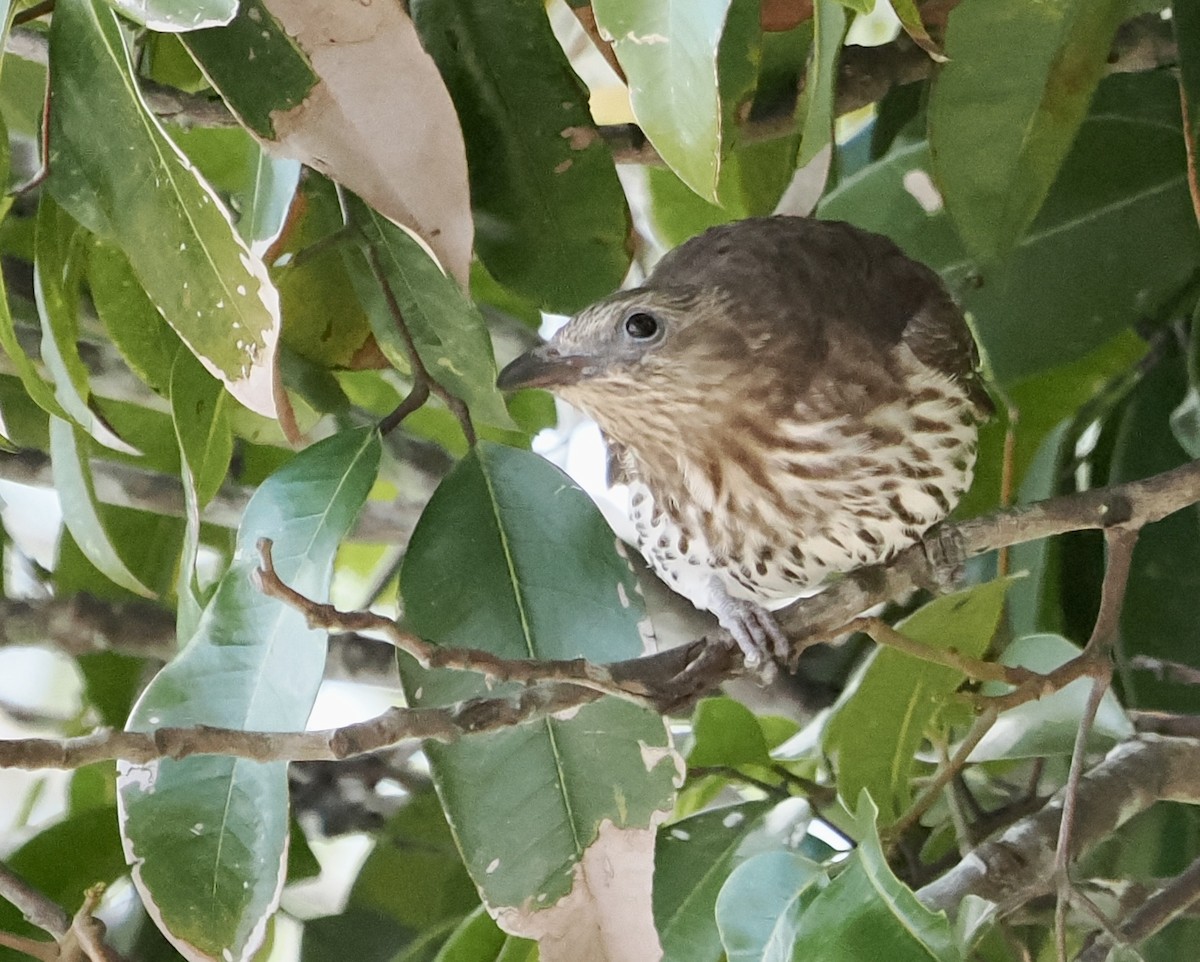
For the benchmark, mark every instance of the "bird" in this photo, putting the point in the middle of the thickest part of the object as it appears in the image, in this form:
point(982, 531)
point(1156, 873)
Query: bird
point(786, 399)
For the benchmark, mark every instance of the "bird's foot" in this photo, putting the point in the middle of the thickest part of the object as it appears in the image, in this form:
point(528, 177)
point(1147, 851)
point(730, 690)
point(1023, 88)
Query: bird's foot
point(754, 629)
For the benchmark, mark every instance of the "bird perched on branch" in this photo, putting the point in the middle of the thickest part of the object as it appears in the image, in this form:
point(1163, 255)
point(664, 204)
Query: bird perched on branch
point(786, 398)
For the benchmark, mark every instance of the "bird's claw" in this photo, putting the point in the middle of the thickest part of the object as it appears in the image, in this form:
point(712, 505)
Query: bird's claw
point(756, 633)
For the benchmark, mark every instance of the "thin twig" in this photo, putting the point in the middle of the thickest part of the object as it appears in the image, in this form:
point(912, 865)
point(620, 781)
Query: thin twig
point(1062, 850)
point(884, 634)
point(1098, 654)
point(420, 373)
point(33, 12)
point(772, 790)
point(88, 932)
point(575, 671)
point(416, 397)
point(1163, 670)
point(1153, 915)
point(934, 789)
point(394, 726)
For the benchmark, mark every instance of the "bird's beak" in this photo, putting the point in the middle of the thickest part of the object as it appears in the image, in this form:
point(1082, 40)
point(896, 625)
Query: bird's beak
point(543, 366)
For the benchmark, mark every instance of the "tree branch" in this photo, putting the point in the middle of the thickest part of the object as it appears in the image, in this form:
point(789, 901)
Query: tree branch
point(667, 681)
point(332, 744)
point(1019, 865)
point(1153, 915)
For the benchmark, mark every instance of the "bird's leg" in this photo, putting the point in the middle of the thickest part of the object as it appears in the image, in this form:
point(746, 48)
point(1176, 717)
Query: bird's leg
point(753, 628)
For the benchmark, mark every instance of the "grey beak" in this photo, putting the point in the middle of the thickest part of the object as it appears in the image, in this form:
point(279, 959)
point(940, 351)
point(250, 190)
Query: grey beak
point(542, 366)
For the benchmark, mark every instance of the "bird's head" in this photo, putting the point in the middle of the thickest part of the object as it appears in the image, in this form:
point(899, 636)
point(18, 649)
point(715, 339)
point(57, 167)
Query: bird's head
point(636, 353)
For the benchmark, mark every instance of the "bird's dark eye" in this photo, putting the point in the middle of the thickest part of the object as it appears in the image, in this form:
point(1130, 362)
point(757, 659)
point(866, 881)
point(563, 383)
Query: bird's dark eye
point(641, 326)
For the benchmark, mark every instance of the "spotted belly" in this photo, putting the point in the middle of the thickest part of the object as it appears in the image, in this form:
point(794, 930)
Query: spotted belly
point(819, 522)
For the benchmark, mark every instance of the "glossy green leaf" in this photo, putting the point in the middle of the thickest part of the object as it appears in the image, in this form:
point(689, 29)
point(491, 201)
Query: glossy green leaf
point(212, 870)
point(37, 389)
point(877, 727)
point(177, 16)
point(753, 178)
point(669, 52)
point(1004, 111)
point(58, 250)
point(695, 857)
point(816, 104)
point(726, 732)
point(1048, 726)
point(149, 545)
point(236, 58)
point(447, 329)
point(550, 216)
point(138, 330)
point(512, 557)
point(133, 184)
point(1119, 215)
point(759, 907)
point(314, 282)
point(201, 425)
point(259, 187)
point(867, 913)
point(206, 447)
point(69, 450)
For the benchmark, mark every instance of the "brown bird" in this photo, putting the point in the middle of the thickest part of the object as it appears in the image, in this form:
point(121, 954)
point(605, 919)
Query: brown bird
point(786, 398)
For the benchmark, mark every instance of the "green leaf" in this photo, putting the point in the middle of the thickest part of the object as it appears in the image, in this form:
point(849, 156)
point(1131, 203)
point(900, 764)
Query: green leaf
point(201, 426)
point(1004, 111)
point(1047, 727)
point(134, 324)
point(133, 184)
point(315, 284)
point(259, 187)
point(879, 723)
point(695, 857)
point(726, 732)
point(177, 16)
point(550, 216)
point(236, 58)
point(58, 247)
point(816, 103)
point(206, 446)
point(669, 52)
point(41, 393)
point(208, 835)
point(759, 907)
point(1115, 236)
point(512, 557)
point(69, 449)
point(447, 329)
point(867, 913)
point(909, 15)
